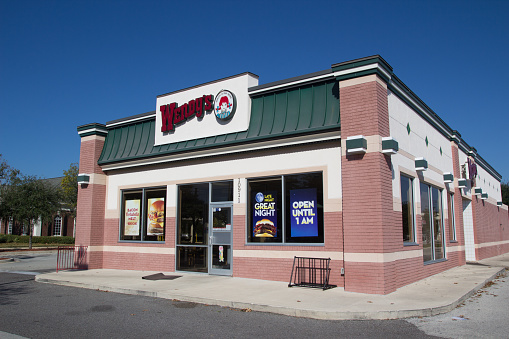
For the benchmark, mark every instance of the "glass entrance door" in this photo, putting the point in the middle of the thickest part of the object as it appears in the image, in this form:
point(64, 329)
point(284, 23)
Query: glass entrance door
point(220, 248)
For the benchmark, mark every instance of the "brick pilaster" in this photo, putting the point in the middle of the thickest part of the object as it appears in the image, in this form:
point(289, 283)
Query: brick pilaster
point(91, 196)
point(370, 224)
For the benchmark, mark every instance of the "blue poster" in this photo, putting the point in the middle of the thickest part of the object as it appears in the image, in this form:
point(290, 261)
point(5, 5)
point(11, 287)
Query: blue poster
point(265, 214)
point(303, 213)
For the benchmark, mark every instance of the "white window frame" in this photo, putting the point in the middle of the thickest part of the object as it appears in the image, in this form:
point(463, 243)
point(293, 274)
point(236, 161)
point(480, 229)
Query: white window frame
point(59, 219)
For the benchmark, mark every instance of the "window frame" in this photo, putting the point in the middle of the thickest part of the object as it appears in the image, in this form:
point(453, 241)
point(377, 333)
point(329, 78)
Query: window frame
point(143, 214)
point(413, 237)
point(59, 226)
point(432, 229)
point(452, 217)
point(284, 211)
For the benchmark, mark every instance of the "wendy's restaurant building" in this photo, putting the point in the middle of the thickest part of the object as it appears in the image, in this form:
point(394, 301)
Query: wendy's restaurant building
point(236, 178)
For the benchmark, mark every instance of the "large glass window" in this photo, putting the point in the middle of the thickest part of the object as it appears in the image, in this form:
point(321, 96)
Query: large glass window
point(407, 208)
point(286, 209)
point(57, 229)
point(193, 214)
point(432, 223)
point(143, 215)
point(452, 221)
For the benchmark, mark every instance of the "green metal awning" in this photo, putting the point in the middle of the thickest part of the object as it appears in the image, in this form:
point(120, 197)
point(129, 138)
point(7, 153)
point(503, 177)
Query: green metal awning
point(308, 109)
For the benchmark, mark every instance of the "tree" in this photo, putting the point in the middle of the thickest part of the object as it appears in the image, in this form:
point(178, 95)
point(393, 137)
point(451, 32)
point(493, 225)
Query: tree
point(27, 198)
point(70, 188)
point(505, 192)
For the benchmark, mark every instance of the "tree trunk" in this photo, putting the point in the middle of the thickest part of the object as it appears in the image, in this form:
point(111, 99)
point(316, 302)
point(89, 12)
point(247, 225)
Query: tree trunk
point(30, 235)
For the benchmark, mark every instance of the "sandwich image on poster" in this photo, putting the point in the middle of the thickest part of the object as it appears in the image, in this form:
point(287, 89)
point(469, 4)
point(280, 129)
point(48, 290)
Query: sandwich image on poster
point(155, 220)
point(265, 215)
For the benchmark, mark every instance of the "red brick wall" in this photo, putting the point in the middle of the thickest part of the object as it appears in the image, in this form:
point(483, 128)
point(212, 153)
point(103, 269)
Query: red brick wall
point(90, 151)
point(458, 206)
point(139, 261)
point(492, 225)
point(370, 226)
point(279, 269)
point(364, 110)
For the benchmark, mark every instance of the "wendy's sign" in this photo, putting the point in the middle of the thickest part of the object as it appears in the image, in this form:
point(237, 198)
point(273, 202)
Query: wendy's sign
point(215, 108)
point(172, 114)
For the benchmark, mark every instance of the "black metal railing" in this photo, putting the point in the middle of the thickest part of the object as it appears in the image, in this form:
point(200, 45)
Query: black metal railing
point(72, 257)
point(311, 272)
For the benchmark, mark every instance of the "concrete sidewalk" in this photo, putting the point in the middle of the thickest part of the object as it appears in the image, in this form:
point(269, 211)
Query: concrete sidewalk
point(434, 295)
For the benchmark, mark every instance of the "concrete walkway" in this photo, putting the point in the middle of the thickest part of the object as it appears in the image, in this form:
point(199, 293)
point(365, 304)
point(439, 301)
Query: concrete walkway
point(434, 295)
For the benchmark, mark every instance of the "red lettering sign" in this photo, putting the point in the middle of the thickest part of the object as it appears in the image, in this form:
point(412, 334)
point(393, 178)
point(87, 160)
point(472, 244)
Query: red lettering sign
point(172, 114)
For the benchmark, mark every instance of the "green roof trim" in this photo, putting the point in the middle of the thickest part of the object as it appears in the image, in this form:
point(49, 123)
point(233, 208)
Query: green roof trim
point(92, 129)
point(308, 109)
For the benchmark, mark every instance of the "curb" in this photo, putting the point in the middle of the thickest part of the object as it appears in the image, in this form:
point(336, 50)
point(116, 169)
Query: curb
point(294, 312)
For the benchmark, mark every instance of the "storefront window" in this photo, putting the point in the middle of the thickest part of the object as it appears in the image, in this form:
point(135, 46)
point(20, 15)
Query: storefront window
point(222, 191)
point(407, 208)
point(143, 215)
point(293, 217)
point(193, 227)
point(265, 217)
point(193, 214)
point(452, 222)
point(432, 223)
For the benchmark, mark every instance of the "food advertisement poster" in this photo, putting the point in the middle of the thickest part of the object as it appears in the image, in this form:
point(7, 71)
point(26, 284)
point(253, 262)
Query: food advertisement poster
point(155, 219)
point(132, 217)
point(265, 214)
point(303, 209)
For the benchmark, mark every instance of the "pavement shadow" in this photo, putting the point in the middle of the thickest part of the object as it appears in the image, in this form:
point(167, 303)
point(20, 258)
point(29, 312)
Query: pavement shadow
point(13, 285)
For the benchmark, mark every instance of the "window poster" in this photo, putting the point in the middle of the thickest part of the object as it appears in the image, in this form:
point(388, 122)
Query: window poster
point(132, 217)
point(265, 214)
point(155, 218)
point(303, 209)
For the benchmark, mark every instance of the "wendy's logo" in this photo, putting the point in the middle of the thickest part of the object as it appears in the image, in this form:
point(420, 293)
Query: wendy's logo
point(224, 105)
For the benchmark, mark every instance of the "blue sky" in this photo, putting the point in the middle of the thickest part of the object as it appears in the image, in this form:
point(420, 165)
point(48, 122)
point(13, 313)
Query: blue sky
point(69, 63)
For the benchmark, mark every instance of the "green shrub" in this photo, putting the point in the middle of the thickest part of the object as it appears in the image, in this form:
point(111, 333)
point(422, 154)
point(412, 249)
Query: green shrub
point(24, 239)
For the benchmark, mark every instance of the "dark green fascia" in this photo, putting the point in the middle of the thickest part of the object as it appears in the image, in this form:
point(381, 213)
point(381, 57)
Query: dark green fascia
point(484, 196)
point(359, 144)
point(390, 146)
point(376, 71)
point(477, 190)
point(92, 129)
point(448, 177)
point(362, 62)
point(83, 179)
point(421, 164)
point(499, 203)
point(462, 183)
